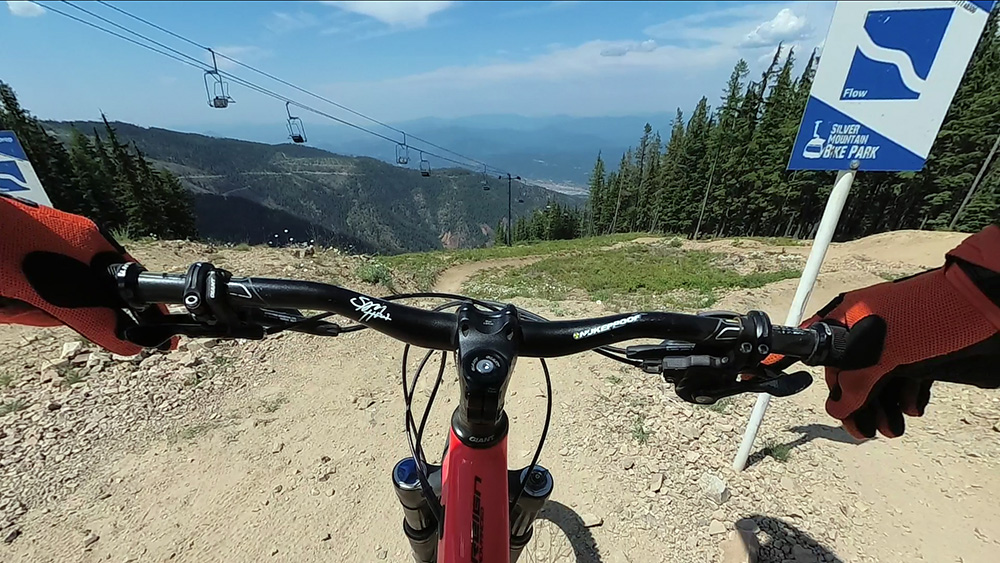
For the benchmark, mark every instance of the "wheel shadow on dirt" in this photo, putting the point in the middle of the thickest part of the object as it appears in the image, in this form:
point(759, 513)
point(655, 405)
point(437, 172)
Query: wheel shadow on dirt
point(782, 541)
point(571, 524)
point(809, 433)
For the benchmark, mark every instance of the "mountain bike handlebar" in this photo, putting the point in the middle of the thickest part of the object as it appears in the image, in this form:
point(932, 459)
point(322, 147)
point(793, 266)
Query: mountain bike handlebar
point(819, 344)
point(706, 357)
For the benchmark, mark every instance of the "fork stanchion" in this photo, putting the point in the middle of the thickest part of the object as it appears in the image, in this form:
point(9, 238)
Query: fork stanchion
point(522, 515)
point(419, 524)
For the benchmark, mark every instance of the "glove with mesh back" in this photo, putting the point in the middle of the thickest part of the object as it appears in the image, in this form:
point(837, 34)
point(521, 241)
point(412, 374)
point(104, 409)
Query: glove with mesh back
point(940, 325)
point(54, 271)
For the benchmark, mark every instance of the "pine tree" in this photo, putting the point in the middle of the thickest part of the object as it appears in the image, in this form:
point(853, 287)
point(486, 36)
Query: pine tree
point(47, 156)
point(90, 180)
point(967, 134)
point(695, 164)
point(600, 200)
point(737, 157)
point(672, 178)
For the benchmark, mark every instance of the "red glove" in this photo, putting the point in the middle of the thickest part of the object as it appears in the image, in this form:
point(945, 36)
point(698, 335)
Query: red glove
point(53, 270)
point(940, 325)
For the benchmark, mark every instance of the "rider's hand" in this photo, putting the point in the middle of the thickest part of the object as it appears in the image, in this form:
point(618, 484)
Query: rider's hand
point(940, 325)
point(54, 271)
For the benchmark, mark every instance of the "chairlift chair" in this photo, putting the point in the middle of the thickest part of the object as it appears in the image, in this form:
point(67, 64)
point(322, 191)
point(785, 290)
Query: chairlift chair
point(216, 88)
point(425, 167)
point(403, 152)
point(296, 130)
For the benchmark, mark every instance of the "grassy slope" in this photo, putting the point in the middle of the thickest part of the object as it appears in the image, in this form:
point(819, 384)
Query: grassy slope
point(594, 268)
point(424, 267)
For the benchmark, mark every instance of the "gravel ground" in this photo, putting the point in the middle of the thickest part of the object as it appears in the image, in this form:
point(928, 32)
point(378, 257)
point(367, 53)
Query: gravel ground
point(224, 451)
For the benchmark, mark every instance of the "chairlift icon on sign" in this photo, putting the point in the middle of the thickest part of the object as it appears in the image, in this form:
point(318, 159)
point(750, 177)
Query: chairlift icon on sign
point(814, 148)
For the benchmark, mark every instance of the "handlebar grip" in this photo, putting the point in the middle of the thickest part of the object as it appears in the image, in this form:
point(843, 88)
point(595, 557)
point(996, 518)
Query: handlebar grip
point(822, 344)
point(838, 345)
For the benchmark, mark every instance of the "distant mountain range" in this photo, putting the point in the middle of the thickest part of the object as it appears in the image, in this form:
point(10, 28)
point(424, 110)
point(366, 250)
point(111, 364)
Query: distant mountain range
point(555, 151)
point(248, 191)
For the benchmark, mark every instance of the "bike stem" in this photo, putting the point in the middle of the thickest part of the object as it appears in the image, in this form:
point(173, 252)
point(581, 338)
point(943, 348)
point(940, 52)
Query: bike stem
point(486, 356)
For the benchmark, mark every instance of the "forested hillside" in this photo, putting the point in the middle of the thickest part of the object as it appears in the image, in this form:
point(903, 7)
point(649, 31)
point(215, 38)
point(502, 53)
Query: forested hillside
point(247, 191)
point(101, 177)
point(737, 153)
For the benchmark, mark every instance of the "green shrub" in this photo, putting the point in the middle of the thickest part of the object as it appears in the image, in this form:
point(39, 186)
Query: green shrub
point(376, 273)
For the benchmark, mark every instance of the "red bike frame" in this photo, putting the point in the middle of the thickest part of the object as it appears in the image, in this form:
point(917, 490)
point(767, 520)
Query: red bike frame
point(474, 494)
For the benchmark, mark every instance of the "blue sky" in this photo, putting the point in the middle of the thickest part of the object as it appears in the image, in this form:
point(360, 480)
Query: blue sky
point(401, 60)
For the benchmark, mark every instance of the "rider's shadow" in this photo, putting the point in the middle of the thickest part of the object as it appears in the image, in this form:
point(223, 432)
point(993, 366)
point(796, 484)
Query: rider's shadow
point(809, 433)
point(782, 541)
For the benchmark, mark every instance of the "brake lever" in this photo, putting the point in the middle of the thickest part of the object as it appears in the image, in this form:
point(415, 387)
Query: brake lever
point(276, 320)
point(706, 385)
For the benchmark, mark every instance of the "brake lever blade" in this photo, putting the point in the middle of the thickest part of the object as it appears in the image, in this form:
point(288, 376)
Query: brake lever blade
point(784, 385)
point(692, 387)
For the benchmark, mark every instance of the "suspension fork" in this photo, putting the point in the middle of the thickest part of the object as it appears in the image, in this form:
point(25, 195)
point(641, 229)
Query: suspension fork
point(422, 530)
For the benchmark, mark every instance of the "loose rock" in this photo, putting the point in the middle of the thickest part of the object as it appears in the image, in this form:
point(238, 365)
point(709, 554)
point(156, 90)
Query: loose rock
point(591, 520)
point(716, 527)
point(70, 349)
point(656, 482)
point(714, 488)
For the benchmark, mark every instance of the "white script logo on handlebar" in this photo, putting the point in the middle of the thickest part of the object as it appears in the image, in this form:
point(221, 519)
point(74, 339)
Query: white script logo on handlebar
point(605, 327)
point(370, 309)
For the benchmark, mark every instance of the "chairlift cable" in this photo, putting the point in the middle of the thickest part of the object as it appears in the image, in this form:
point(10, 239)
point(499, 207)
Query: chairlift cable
point(135, 33)
point(199, 65)
point(184, 58)
point(291, 85)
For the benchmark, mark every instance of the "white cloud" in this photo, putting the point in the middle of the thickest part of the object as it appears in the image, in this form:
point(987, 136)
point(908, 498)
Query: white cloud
point(536, 8)
point(694, 56)
point(674, 65)
point(785, 26)
point(24, 9)
point(647, 46)
point(395, 13)
point(282, 22)
point(576, 80)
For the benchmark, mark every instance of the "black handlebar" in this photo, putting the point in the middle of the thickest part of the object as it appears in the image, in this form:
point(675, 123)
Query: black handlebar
point(819, 344)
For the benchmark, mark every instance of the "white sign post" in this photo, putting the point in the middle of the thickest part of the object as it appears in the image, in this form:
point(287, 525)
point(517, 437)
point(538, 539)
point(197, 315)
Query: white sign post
point(17, 176)
point(888, 73)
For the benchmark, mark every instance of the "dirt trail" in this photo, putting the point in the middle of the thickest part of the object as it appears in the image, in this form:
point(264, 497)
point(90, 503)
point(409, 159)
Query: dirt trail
point(452, 279)
point(291, 462)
